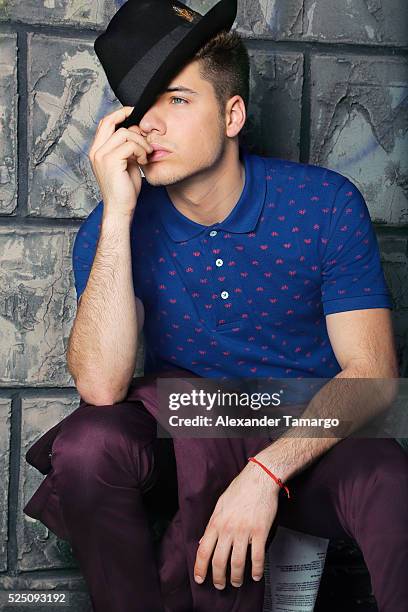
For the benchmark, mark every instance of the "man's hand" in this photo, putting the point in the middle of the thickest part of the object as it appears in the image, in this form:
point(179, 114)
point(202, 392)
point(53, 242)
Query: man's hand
point(244, 514)
point(116, 156)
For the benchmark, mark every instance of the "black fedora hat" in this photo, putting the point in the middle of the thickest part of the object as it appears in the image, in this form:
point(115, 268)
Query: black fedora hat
point(148, 41)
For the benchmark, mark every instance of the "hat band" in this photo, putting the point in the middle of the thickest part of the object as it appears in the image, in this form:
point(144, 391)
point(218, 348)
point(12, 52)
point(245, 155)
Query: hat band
point(138, 77)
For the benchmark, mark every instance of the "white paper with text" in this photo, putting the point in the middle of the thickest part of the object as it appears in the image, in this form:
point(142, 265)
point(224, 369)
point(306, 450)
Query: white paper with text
point(293, 570)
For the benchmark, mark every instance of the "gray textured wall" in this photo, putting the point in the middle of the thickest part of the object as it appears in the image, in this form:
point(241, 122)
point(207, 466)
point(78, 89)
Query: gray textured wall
point(329, 87)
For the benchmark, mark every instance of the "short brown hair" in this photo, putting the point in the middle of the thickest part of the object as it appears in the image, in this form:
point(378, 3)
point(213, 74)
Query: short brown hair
point(224, 61)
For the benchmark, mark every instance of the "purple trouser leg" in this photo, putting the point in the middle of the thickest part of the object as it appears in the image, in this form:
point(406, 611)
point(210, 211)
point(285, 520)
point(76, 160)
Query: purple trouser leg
point(104, 471)
point(359, 489)
point(102, 460)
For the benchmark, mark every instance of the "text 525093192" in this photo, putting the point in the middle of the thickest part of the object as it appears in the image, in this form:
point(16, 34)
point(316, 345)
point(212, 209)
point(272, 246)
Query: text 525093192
point(33, 598)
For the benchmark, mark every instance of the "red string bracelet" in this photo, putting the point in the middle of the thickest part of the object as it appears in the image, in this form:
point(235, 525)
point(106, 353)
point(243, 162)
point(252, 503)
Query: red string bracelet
point(277, 480)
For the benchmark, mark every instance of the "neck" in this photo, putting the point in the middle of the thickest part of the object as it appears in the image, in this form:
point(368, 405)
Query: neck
point(209, 197)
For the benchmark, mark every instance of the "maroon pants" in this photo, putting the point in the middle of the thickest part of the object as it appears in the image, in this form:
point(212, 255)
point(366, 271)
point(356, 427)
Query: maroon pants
point(108, 470)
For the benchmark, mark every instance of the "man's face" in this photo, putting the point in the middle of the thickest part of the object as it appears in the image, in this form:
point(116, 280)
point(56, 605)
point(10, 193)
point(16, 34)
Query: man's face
point(186, 123)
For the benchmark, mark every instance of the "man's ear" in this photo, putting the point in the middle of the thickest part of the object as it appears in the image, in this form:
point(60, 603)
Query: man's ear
point(235, 114)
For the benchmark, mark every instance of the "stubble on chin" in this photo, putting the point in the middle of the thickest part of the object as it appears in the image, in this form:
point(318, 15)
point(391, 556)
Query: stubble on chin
point(163, 178)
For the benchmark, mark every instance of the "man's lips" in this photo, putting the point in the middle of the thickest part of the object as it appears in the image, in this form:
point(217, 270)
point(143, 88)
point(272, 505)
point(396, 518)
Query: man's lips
point(157, 153)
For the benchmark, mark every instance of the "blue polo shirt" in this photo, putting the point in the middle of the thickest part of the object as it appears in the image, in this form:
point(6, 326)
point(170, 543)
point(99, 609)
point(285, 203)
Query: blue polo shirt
point(248, 296)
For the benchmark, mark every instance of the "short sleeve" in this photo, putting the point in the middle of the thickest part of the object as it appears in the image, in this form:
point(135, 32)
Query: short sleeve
point(84, 249)
point(352, 275)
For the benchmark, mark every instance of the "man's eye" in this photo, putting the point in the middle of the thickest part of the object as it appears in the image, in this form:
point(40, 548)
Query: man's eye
point(177, 98)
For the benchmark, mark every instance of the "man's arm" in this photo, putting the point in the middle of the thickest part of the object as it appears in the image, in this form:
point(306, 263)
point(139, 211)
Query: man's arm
point(364, 346)
point(102, 346)
point(363, 343)
point(139, 312)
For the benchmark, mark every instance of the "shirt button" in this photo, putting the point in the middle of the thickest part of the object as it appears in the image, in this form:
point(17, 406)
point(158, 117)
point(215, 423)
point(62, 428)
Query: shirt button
point(224, 294)
point(218, 262)
point(213, 233)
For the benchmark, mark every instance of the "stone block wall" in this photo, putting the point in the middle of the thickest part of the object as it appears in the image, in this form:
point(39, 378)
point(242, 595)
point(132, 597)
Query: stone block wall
point(329, 86)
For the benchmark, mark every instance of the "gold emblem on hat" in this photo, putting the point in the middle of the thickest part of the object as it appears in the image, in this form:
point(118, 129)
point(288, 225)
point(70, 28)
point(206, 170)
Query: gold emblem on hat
point(183, 13)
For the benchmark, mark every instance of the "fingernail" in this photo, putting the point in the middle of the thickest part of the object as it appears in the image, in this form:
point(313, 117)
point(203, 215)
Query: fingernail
point(219, 586)
point(198, 579)
point(256, 577)
point(236, 584)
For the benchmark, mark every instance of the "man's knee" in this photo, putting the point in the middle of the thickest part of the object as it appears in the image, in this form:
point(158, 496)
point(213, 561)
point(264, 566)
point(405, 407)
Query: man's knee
point(389, 473)
point(367, 458)
point(101, 441)
point(374, 459)
point(375, 483)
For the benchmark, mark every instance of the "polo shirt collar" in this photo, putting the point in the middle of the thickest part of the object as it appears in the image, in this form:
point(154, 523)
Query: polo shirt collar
point(243, 217)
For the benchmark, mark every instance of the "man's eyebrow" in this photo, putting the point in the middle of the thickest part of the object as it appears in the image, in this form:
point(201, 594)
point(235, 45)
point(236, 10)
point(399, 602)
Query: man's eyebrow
point(180, 88)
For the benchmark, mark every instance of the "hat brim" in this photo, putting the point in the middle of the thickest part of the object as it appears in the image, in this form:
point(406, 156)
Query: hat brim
point(178, 48)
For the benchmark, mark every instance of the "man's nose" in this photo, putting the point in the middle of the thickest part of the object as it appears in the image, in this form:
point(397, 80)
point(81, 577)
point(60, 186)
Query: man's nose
point(151, 121)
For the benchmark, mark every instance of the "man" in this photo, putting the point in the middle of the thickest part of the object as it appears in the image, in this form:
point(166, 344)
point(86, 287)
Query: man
point(233, 265)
